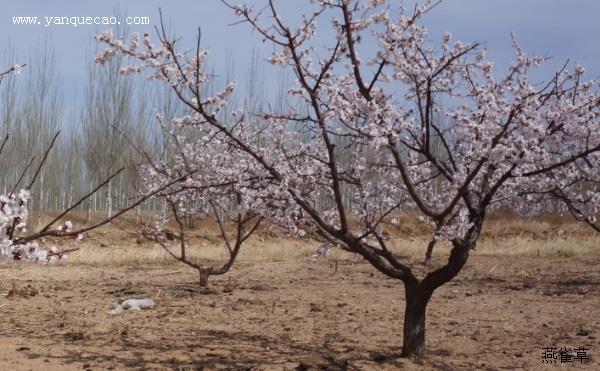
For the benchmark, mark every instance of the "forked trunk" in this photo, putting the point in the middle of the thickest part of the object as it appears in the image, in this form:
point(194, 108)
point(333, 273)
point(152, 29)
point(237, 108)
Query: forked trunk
point(418, 294)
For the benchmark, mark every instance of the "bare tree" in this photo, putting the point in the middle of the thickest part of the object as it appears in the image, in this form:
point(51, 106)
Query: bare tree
point(108, 118)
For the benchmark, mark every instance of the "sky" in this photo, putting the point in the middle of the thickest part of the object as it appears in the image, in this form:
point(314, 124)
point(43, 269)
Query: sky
point(559, 29)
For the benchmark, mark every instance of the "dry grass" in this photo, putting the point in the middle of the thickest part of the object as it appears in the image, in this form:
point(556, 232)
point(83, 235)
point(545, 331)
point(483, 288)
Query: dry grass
point(551, 235)
point(294, 250)
point(532, 247)
point(254, 251)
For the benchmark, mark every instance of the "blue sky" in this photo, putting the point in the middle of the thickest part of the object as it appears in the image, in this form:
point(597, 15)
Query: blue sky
point(560, 29)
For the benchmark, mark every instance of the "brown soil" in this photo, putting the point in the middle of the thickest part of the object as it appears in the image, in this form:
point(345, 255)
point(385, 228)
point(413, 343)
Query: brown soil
point(498, 314)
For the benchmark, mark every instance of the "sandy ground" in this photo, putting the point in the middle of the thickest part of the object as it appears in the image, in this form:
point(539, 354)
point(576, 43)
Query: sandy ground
point(498, 314)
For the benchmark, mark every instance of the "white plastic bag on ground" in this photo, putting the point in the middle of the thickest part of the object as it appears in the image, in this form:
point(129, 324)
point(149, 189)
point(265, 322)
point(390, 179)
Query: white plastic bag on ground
point(131, 304)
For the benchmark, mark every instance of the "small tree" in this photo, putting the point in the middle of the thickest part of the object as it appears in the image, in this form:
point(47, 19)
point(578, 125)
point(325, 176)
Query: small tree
point(505, 139)
point(214, 190)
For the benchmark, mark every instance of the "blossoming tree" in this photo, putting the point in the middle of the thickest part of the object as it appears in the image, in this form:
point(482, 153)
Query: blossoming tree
point(212, 191)
point(368, 134)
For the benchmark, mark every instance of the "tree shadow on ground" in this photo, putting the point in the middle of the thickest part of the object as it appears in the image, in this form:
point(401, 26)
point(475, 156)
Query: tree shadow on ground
point(213, 349)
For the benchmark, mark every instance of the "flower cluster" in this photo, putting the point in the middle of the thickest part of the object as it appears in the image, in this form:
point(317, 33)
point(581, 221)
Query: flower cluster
point(13, 220)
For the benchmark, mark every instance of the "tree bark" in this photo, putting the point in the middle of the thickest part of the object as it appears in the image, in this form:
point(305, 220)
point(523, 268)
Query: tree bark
point(418, 293)
point(414, 321)
point(203, 278)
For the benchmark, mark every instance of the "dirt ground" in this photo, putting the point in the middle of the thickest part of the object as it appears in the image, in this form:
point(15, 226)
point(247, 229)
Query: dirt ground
point(498, 314)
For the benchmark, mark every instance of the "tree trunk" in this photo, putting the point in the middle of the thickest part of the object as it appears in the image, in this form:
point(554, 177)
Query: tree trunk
point(414, 322)
point(37, 217)
point(418, 293)
point(88, 216)
point(109, 200)
point(203, 279)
